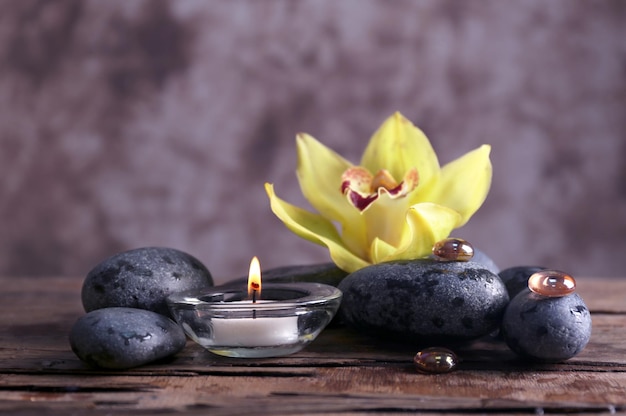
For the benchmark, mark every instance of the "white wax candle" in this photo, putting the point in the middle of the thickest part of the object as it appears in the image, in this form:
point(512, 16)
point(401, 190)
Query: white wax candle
point(255, 332)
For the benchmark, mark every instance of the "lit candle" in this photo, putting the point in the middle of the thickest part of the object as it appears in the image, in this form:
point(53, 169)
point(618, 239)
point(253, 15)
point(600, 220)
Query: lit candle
point(233, 322)
point(254, 331)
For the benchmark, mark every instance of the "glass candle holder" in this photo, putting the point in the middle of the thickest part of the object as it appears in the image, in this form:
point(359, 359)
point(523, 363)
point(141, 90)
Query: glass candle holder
point(227, 323)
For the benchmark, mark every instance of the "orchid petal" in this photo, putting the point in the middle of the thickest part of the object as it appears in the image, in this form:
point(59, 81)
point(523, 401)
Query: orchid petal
point(356, 184)
point(385, 218)
point(383, 179)
point(399, 146)
point(320, 173)
point(381, 251)
point(464, 183)
point(410, 181)
point(315, 228)
point(427, 223)
point(357, 179)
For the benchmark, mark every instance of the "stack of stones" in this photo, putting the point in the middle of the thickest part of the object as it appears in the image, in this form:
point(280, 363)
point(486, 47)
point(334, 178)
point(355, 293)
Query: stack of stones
point(128, 323)
point(459, 295)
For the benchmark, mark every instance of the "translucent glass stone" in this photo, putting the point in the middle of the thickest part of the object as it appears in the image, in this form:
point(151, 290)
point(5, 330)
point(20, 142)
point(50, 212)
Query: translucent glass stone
point(435, 360)
point(453, 249)
point(551, 283)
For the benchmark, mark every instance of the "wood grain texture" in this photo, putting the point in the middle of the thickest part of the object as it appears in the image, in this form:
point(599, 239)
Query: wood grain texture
point(342, 372)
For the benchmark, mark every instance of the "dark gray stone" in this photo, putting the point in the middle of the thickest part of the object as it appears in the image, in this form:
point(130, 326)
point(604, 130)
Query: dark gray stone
point(143, 278)
point(120, 338)
point(516, 278)
point(546, 329)
point(481, 258)
point(424, 301)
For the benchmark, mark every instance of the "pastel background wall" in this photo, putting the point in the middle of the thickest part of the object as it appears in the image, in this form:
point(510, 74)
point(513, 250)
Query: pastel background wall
point(135, 123)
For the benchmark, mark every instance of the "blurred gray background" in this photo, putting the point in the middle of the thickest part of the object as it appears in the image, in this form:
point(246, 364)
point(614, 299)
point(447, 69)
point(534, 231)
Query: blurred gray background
point(135, 123)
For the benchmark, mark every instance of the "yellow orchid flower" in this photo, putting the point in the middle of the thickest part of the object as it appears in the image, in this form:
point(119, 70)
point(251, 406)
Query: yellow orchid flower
point(364, 215)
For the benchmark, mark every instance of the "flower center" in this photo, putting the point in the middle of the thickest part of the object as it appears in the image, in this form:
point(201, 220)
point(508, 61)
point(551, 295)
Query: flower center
point(362, 189)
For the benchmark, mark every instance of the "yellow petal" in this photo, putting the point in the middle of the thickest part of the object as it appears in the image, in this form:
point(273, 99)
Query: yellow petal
point(320, 173)
point(427, 223)
point(382, 251)
point(464, 183)
point(385, 218)
point(316, 229)
point(399, 146)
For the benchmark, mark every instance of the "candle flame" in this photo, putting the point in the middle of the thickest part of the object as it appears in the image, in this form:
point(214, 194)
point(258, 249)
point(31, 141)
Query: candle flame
point(254, 279)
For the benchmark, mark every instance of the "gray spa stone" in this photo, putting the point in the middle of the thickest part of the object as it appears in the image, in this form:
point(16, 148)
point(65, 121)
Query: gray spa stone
point(546, 329)
point(516, 278)
point(482, 258)
point(424, 301)
point(120, 338)
point(143, 278)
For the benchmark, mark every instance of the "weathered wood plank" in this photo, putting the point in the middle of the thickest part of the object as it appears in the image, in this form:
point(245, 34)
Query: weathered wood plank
point(602, 294)
point(344, 405)
point(341, 389)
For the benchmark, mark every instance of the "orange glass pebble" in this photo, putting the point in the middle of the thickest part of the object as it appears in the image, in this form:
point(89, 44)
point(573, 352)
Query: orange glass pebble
point(453, 249)
point(552, 283)
point(435, 360)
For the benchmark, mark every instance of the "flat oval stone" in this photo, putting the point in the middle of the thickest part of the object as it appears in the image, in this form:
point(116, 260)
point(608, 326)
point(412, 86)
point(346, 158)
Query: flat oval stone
point(435, 360)
point(424, 300)
point(453, 249)
point(121, 338)
point(552, 283)
point(143, 278)
point(546, 329)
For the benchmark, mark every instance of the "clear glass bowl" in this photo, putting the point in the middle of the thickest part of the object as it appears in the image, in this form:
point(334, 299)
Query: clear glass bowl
point(286, 318)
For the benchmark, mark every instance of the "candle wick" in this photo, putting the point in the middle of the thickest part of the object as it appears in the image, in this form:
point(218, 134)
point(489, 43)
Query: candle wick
point(254, 296)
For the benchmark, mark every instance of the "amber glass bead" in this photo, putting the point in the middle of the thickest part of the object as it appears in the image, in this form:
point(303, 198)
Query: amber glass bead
point(453, 249)
point(551, 283)
point(435, 360)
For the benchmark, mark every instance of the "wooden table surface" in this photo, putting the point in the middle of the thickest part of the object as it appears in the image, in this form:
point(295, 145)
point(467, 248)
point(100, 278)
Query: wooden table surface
point(339, 373)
